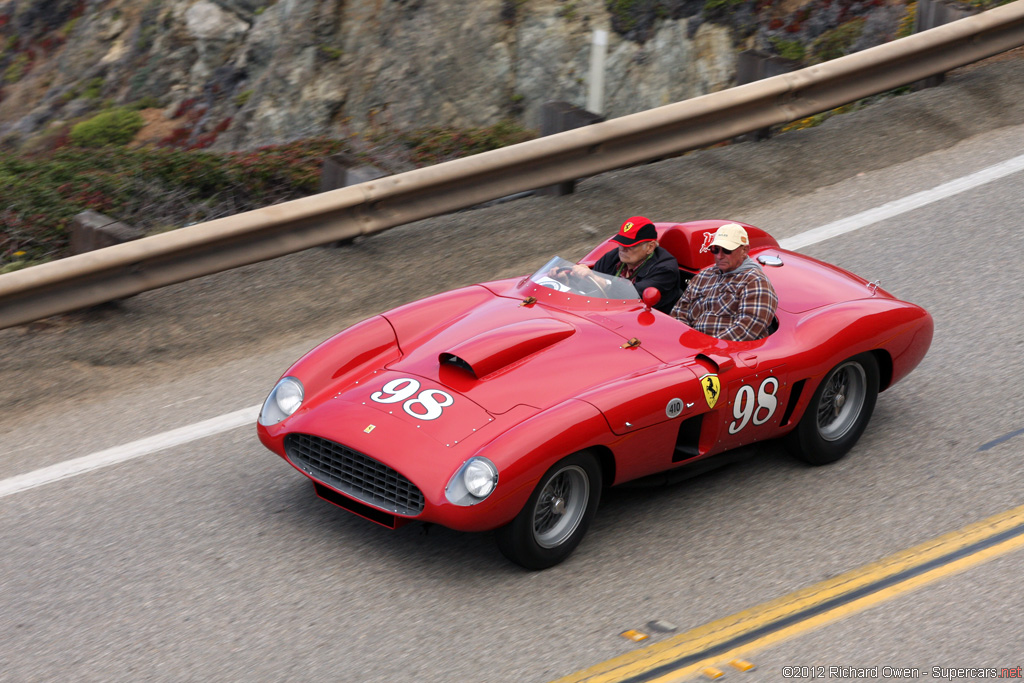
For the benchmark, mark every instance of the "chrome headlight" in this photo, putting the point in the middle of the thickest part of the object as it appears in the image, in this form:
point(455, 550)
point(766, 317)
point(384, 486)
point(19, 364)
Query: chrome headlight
point(474, 481)
point(480, 477)
point(284, 400)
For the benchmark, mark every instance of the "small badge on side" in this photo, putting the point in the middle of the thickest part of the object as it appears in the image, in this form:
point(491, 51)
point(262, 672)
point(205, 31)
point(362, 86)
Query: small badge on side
point(712, 388)
point(370, 428)
point(674, 408)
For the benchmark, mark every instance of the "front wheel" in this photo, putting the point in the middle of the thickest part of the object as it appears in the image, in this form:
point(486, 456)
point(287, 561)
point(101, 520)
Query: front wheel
point(838, 413)
point(555, 518)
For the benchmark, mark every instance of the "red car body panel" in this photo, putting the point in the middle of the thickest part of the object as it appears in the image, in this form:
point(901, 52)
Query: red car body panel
point(525, 375)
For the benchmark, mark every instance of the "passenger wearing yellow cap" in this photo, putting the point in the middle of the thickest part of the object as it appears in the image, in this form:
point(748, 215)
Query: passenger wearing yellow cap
point(640, 260)
point(733, 299)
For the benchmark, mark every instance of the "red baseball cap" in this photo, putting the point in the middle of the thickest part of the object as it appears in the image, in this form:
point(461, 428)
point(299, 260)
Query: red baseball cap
point(635, 230)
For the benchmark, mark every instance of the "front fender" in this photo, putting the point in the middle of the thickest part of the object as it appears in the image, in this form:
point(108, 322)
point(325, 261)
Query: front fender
point(522, 454)
point(365, 346)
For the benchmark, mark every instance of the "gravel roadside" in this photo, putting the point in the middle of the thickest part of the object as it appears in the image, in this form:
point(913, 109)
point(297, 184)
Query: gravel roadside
point(307, 296)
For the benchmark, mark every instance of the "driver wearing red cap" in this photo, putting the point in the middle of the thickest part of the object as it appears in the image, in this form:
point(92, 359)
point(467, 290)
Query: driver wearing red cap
point(640, 260)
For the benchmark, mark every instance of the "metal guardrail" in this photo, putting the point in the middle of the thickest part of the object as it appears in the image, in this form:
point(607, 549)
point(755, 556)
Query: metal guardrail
point(125, 269)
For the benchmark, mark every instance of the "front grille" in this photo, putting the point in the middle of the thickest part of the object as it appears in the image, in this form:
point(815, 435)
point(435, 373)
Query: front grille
point(354, 474)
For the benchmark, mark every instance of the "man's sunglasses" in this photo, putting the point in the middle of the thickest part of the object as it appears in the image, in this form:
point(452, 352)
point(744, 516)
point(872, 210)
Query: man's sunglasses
point(715, 250)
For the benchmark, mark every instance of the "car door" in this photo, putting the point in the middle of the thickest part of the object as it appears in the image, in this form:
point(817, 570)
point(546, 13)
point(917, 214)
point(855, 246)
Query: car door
point(747, 395)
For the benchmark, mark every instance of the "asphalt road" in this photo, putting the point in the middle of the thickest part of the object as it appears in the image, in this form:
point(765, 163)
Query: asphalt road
point(213, 560)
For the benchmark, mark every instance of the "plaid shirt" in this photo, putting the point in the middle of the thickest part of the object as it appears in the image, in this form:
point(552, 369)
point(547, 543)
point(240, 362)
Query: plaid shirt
point(736, 306)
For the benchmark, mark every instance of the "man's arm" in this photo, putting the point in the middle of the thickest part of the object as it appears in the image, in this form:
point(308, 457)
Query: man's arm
point(662, 274)
point(692, 291)
point(607, 263)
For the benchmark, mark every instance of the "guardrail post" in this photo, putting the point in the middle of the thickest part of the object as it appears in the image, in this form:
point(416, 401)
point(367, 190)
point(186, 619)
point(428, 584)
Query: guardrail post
point(342, 170)
point(558, 117)
point(91, 230)
point(931, 14)
point(754, 65)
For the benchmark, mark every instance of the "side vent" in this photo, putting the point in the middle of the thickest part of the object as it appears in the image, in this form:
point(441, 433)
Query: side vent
point(794, 397)
point(688, 440)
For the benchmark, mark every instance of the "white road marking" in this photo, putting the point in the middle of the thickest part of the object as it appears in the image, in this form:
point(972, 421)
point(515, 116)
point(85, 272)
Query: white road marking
point(135, 449)
point(900, 206)
point(247, 416)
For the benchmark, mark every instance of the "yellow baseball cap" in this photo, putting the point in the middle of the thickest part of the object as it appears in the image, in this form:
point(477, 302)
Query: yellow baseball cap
point(730, 236)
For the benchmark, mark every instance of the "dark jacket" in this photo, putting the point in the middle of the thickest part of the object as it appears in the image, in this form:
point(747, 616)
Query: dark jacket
point(661, 271)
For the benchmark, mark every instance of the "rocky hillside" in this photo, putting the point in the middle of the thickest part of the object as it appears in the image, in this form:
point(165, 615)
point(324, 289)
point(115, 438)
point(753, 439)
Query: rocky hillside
point(235, 74)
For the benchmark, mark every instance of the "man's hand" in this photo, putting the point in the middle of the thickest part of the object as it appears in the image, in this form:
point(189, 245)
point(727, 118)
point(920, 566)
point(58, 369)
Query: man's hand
point(562, 274)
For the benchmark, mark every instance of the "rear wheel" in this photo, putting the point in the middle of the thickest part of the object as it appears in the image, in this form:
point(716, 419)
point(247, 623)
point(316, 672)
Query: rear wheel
point(557, 515)
point(838, 413)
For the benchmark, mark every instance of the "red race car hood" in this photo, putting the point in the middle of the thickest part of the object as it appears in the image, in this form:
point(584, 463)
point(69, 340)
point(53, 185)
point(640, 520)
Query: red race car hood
point(465, 362)
point(499, 353)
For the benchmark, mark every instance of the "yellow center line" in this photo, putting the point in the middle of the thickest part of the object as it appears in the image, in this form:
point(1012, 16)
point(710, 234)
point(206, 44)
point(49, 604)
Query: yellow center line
point(662, 656)
point(846, 610)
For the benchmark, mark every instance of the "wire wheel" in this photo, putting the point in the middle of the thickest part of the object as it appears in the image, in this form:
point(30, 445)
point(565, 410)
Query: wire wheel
point(560, 507)
point(838, 413)
point(555, 518)
point(842, 400)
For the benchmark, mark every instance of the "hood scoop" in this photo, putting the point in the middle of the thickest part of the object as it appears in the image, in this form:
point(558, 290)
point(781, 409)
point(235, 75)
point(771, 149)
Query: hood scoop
point(490, 351)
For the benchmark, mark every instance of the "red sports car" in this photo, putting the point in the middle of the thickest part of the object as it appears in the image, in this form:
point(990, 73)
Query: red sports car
point(511, 405)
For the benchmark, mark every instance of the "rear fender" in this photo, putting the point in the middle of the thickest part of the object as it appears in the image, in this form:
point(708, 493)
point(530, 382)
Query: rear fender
point(896, 332)
point(834, 333)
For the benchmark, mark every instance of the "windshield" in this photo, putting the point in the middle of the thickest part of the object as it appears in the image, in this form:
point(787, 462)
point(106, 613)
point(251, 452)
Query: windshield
point(557, 274)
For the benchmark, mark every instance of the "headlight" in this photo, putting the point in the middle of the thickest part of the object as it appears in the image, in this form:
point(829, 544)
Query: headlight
point(284, 400)
point(480, 476)
point(473, 482)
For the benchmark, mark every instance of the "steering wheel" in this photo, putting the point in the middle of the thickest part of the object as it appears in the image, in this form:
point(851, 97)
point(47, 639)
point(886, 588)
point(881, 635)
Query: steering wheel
point(590, 281)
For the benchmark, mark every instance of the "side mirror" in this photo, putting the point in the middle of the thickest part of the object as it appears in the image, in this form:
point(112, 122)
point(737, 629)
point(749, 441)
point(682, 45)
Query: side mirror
point(651, 297)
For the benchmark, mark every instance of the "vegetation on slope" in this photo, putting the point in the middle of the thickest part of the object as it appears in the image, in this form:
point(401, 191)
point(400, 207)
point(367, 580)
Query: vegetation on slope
point(162, 188)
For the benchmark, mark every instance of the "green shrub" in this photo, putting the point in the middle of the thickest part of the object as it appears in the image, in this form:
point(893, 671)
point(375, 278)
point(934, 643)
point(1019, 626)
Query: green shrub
point(93, 89)
point(714, 5)
point(837, 42)
point(435, 145)
point(792, 50)
point(67, 28)
point(624, 14)
point(18, 67)
point(158, 189)
point(330, 52)
point(147, 102)
point(114, 127)
point(148, 188)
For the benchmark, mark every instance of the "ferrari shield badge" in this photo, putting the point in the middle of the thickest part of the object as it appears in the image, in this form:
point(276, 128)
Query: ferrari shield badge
point(712, 387)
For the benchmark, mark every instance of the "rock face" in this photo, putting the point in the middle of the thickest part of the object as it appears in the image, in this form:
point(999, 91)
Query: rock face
point(234, 74)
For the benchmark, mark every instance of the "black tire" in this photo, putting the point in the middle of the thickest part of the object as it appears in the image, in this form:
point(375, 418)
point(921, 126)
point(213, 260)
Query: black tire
point(838, 413)
point(557, 515)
